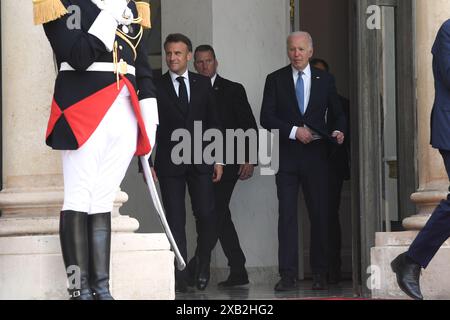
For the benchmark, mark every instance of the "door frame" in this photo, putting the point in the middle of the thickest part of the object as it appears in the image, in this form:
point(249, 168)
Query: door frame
point(366, 145)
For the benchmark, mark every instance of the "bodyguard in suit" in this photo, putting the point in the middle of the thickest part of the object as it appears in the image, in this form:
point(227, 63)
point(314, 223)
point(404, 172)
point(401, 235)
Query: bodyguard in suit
point(339, 171)
point(185, 98)
point(234, 113)
point(408, 265)
point(296, 100)
point(99, 121)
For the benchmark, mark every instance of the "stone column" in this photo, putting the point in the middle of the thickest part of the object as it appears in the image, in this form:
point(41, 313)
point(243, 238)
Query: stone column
point(31, 266)
point(433, 180)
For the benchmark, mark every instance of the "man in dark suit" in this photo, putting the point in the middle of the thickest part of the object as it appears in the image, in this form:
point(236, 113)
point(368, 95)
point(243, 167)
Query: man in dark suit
point(235, 113)
point(408, 265)
point(183, 99)
point(339, 171)
point(296, 100)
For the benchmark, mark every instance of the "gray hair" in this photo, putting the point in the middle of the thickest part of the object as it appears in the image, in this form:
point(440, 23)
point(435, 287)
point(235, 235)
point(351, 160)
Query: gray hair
point(301, 34)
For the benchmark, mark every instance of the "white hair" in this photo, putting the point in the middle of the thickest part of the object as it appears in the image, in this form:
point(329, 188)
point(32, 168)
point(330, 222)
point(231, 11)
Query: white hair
point(301, 34)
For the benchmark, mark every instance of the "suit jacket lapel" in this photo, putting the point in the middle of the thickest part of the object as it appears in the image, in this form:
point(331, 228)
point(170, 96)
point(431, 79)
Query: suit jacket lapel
point(289, 81)
point(218, 88)
point(217, 83)
point(314, 90)
point(193, 90)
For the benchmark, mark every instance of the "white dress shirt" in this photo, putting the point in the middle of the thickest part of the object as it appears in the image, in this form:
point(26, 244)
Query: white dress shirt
point(176, 84)
point(213, 79)
point(307, 84)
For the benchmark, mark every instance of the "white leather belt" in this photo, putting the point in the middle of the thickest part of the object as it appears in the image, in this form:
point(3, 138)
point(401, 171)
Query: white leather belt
point(99, 66)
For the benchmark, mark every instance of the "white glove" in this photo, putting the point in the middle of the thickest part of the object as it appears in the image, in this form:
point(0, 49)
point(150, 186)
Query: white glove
point(127, 18)
point(149, 111)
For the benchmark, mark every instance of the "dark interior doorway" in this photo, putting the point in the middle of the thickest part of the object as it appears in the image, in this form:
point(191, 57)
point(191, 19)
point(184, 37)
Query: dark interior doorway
point(328, 23)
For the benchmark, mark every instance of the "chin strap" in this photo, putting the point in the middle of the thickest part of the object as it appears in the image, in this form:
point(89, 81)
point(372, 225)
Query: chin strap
point(48, 10)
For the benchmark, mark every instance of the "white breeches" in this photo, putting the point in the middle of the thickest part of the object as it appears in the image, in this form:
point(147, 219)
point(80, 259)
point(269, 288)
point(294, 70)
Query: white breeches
point(94, 172)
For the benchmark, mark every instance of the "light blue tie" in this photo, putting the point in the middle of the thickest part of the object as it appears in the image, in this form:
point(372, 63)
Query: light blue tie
point(300, 92)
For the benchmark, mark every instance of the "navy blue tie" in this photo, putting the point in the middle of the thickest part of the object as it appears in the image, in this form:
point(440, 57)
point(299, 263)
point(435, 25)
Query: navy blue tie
point(300, 92)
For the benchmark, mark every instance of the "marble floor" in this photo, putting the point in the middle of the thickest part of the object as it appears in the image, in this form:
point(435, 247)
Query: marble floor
point(266, 292)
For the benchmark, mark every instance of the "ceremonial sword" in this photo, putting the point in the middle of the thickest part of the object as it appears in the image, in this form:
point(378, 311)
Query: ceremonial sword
point(181, 264)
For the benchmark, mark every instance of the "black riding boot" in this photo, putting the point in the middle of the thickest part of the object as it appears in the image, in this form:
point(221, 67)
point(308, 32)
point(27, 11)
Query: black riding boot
point(75, 252)
point(99, 235)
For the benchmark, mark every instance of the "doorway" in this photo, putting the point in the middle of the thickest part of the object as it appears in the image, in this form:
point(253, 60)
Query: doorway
point(369, 45)
point(383, 118)
point(328, 23)
point(374, 68)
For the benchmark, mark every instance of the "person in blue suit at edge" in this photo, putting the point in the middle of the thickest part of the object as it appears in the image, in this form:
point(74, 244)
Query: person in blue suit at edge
point(408, 265)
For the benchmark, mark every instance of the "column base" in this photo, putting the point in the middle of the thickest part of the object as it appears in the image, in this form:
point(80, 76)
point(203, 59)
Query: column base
point(434, 282)
point(31, 268)
point(50, 226)
point(25, 203)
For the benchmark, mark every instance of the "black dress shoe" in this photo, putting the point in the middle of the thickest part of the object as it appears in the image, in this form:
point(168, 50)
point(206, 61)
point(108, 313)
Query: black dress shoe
point(319, 281)
point(286, 284)
point(202, 273)
point(234, 280)
point(408, 275)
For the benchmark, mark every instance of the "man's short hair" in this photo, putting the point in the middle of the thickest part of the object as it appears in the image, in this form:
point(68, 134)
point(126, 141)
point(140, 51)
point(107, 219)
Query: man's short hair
point(205, 48)
point(302, 34)
point(178, 37)
point(315, 61)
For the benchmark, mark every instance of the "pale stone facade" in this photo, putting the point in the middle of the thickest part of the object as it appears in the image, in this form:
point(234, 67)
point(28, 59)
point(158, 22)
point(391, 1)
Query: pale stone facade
point(250, 42)
point(31, 265)
point(141, 265)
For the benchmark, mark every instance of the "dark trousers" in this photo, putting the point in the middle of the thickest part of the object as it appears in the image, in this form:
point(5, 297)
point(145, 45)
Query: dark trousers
point(437, 229)
point(200, 188)
point(312, 174)
point(227, 234)
point(336, 181)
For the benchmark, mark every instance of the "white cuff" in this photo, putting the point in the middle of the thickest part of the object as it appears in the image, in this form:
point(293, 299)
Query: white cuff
point(149, 111)
point(104, 28)
point(293, 135)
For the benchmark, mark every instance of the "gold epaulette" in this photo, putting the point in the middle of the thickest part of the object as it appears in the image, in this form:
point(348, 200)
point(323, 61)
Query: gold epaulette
point(143, 8)
point(48, 10)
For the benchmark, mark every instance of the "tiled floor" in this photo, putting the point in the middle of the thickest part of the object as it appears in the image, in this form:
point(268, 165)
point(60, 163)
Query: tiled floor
point(266, 292)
